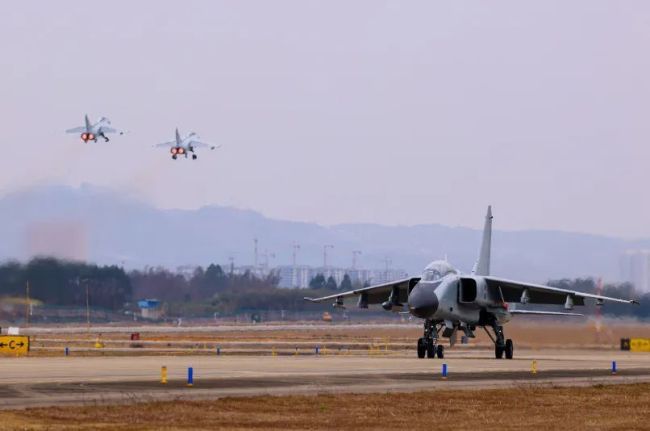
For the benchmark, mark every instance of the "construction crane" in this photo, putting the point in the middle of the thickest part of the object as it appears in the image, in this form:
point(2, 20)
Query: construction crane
point(294, 274)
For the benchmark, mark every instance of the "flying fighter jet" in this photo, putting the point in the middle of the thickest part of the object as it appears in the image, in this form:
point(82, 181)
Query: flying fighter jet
point(184, 146)
point(90, 132)
point(449, 301)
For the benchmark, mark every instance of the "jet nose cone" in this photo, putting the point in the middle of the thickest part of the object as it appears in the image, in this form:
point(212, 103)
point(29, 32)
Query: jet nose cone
point(423, 301)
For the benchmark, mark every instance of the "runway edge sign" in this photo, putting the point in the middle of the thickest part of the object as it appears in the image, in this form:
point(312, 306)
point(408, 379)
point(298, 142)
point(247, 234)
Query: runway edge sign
point(14, 345)
point(635, 344)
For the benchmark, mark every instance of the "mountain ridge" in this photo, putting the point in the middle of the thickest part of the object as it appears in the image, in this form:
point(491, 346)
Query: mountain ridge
point(104, 226)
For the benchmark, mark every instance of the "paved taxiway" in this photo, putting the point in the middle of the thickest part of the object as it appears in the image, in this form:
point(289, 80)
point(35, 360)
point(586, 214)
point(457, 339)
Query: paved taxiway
point(35, 381)
point(36, 330)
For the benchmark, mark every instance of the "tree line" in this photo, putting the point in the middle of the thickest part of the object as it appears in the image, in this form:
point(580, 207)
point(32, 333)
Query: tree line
point(55, 282)
point(58, 282)
point(211, 289)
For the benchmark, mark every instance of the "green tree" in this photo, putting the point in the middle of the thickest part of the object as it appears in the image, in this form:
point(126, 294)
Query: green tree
point(318, 282)
point(346, 283)
point(331, 283)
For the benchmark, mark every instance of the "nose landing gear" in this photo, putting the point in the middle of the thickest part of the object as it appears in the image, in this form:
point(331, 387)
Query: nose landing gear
point(428, 345)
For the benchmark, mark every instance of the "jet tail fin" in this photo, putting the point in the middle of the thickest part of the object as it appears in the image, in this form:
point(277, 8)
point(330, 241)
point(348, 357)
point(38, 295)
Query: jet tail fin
point(87, 123)
point(178, 138)
point(482, 266)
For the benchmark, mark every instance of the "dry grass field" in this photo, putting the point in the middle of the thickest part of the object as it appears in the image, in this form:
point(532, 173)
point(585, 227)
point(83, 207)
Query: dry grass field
point(616, 407)
point(533, 333)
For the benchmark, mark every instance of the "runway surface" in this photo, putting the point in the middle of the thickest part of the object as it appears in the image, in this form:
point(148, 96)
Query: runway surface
point(217, 328)
point(41, 381)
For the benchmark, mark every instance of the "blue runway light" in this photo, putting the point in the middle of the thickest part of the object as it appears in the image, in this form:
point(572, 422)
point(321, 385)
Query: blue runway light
point(190, 376)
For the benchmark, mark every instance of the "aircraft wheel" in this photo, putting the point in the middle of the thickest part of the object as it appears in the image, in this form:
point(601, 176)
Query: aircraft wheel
point(498, 351)
point(509, 348)
point(174, 157)
point(440, 351)
point(421, 348)
point(194, 157)
point(431, 350)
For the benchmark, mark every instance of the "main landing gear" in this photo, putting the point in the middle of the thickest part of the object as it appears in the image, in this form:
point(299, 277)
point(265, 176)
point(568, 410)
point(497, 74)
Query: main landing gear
point(428, 345)
point(501, 345)
point(194, 156)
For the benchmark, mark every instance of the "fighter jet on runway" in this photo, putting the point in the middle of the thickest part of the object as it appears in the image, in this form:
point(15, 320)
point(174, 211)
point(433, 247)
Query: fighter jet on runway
point(184, 146)
point(449, 301)
point(90, 132)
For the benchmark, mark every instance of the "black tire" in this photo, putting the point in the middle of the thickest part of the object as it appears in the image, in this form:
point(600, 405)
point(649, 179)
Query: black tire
point(509, 348)
point(440, 351)
point(431, 350)
point(498, 351)
point(421, 348)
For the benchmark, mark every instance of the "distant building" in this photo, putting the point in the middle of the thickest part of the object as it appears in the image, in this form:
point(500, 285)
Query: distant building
point(635, 268)
point(150, 308)
point(384, 276)
point(259, 271)
point(300, 276)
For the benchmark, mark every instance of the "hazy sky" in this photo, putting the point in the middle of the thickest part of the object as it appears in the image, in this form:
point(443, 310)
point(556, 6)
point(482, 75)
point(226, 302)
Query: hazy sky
point(394, 112)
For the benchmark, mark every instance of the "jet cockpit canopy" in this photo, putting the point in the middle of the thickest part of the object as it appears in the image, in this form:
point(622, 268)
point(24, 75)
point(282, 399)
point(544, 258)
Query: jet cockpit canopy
point(437, 270)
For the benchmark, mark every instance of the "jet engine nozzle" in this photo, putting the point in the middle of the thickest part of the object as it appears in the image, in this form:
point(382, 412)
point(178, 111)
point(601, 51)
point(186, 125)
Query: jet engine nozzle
point(87, 137)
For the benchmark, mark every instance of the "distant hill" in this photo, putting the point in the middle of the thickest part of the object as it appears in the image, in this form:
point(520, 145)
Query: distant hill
point(102, 226)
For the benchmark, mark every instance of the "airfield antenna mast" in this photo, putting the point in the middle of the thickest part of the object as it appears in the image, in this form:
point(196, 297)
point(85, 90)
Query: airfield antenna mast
point(27, 303)
point(296, 247)
point(232, 265)
point(325, 247)
point(294, 271)
point(355, 253)
point(387, 261)
point(255, 254)
point(266, 255)
point(87, 306)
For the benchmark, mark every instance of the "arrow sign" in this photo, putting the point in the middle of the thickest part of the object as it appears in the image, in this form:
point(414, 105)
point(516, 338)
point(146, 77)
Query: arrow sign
point(14, 344)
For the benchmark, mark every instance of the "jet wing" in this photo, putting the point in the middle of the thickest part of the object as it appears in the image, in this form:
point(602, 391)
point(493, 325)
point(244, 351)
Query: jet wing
point(374, 294)
point(543, 313)
point(513, 291)
point(76, 130)
point(166, 144)
point(111, 130)
point(199, 144)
